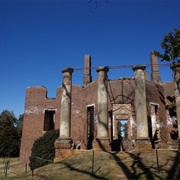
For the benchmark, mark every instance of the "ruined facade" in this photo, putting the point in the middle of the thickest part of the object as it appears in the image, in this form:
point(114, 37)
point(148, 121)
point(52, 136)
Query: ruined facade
point(111, 115)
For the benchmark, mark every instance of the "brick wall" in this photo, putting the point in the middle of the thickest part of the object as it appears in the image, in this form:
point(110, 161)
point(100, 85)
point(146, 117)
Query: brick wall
point(120, 91)
point(33, 125)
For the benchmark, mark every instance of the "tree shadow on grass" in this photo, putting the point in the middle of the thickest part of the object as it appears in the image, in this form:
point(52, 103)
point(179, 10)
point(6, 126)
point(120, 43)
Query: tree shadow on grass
point(174, 172)
point(126, 170)
point(145, 172)
point(71, 168)
point(138, 168)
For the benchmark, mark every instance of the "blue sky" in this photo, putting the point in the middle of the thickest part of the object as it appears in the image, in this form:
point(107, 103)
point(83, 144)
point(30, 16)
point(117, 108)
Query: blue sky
point(38, 38)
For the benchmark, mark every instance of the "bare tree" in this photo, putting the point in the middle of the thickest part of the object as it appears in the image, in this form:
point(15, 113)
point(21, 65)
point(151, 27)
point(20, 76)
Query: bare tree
point(96, 2)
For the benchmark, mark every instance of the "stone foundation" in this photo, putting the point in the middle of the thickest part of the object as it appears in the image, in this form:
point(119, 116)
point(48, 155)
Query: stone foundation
point(63, 143)
point(143, 144)
point(62, 148)
point(102, 144)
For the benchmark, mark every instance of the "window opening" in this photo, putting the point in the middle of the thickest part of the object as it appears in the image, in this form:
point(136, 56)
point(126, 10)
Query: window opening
point(49, 120)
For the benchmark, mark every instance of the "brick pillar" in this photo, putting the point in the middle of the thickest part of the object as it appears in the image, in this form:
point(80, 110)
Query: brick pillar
point(87, 70)
point(63, 143)
point(142, 141)
point(146, 75)
point(155, 75)
point(176, 79)
point(102, 140)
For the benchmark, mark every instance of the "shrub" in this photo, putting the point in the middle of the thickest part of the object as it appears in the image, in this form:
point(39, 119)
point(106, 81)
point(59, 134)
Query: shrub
point(43, 151)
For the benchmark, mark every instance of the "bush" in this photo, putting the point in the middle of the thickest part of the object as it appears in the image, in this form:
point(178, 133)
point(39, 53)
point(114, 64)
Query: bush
point(43, 151)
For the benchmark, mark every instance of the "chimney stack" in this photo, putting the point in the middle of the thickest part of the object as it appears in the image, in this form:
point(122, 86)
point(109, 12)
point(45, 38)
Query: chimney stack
point(155, 75)
point(87, 70)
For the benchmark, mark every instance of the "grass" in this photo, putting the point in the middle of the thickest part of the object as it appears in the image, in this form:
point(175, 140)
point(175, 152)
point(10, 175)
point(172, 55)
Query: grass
point(110, 166)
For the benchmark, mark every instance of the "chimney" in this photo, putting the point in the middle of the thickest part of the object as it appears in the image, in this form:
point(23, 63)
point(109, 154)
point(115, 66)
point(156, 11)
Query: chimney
point(146, 75)
point(87, 70)
point(155, 75)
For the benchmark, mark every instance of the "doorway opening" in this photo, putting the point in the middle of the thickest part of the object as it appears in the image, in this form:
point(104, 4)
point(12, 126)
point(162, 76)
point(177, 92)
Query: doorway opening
point(90, 127)
point(152, 124)
point(122, 129)
point(121, 135)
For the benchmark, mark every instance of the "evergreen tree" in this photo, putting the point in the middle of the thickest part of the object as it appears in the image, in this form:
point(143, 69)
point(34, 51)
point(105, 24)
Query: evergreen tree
point(43, 151)
point(10, 135)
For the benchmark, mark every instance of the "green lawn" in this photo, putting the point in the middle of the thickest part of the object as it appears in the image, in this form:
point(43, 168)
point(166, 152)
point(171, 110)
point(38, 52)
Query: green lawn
point(106, 166)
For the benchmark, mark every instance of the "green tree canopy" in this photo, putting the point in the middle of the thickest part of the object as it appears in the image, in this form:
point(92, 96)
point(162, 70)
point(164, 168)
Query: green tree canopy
point(171, 46)
point(19, 122)
point(7, 118)
point(10, 135)
point(10, 142)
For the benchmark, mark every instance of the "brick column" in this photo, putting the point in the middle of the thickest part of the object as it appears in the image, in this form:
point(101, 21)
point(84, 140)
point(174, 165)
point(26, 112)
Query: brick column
point(142, 141)
point(63, 143)
point(87, 70)
point(102, 140)
point(155, 75)
point(176, 79)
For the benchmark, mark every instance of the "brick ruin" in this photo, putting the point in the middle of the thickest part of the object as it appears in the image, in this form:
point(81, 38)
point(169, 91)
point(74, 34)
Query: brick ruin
point(124, 114)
